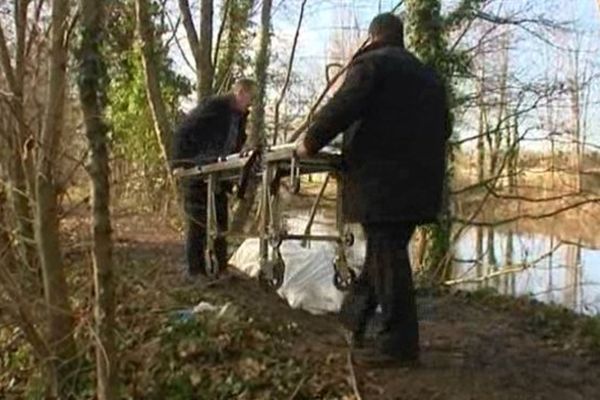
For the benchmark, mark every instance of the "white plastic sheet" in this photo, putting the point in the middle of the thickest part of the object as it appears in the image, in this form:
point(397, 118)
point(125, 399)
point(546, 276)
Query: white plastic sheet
point(308, 280)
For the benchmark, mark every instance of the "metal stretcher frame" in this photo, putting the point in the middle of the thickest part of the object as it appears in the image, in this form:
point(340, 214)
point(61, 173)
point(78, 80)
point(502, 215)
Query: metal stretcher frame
point(276, 162)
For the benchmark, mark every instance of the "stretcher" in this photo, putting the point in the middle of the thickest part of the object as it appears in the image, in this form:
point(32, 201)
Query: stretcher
point(274, 163)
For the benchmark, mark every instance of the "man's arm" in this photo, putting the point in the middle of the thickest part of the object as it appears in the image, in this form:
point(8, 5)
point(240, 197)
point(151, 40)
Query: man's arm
point(345, 107)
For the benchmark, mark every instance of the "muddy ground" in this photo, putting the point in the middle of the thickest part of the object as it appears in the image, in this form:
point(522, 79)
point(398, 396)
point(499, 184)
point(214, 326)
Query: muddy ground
point(471, 349)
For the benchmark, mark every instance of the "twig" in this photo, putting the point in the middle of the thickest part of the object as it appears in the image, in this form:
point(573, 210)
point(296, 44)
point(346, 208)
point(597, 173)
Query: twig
point(297, 390)
point(190, 29)
point(470, 221)
point(178, 43)
point(34, 28)
point(522, 267)
point(528, 216)
point(220, 33)
point(353, 377)
point(304, 125)
point(288, 72)
point(65, 213)
point(531, 199)
point(5, 64)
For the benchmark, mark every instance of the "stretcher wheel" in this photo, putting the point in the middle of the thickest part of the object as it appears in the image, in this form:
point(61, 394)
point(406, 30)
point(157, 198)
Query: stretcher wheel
point(276, 238)
point(295, 186)
point(211, 264)
point(343, 284)
point(262, 278)
point(277, 267)
point(278, 273)
point(349, 239)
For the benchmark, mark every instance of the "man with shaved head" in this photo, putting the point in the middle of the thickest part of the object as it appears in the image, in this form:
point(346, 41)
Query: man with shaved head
point(214, 128)
point(394, 116)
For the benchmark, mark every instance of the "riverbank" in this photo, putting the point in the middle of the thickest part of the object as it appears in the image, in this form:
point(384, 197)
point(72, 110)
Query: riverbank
point(253, 346)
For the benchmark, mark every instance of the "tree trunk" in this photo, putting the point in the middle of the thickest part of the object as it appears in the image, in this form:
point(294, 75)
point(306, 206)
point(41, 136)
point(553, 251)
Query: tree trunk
point(491, 251)
point(575, 89)
point(204, 68)
point(60, 316)
point(190, 29)
point(479, 254)
point(425, 36)
point(424, 31)
point(508, 259)
point(573, 276)
point(201, 45)
point(20, 199)
point(257, 130)
point(21, 192)
point(19, 105)
point(17, 308)
point(256, 136)
point(236, 14)
point(514, 159)
point(483, 126)
point(92, 90)
point(502, 106)
point(150, 65)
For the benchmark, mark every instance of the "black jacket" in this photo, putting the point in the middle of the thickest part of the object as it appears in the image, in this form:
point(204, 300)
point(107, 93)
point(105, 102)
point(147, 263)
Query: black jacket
point(394, 114)
point(201, 135)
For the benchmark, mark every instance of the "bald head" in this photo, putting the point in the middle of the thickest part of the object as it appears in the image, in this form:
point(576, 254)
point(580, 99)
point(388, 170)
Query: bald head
point(243, 91)
point(387, 27)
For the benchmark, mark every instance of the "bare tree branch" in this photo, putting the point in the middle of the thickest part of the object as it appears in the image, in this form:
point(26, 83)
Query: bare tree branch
point(34, 27)
point(205, 69)
point(529, 216)
point(7, 68)
point(523, 266)
point(496, 19)
point(221, 31)
point(161, 121)
point(190, 29)
point(20, 27)
point(465, 11)
point(178, 43)
point(288, 72)
point(304, 125)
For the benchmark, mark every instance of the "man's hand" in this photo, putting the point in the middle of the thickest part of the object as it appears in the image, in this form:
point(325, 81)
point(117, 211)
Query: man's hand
point(301, 150)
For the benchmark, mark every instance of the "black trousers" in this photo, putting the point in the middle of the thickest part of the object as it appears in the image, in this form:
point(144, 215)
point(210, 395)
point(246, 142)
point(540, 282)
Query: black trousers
point(195, 241)
point(386, 280)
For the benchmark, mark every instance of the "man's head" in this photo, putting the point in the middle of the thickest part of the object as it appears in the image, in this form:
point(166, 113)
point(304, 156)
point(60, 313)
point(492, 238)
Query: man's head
point(386, 27)
point(243, 92)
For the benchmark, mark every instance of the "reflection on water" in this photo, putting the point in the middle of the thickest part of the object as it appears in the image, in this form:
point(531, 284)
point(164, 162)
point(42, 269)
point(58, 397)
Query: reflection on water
point(527, 264)
point(514, 263)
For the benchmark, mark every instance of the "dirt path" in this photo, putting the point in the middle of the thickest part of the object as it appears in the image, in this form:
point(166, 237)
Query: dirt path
point(469, 350)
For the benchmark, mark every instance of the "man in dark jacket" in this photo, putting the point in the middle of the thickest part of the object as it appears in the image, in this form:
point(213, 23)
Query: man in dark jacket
point(394, 115)
point(215, 128)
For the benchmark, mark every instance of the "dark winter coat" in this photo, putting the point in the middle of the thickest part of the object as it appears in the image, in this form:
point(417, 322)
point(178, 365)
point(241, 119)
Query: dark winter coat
point(394, 114)
point(201, 137)
point(202, 133)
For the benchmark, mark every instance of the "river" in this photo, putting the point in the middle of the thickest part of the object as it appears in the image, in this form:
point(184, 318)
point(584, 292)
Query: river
point(513, 263)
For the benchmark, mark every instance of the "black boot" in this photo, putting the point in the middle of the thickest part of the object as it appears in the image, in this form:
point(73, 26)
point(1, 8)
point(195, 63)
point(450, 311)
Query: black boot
point(355, 314)
point(376, 357)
